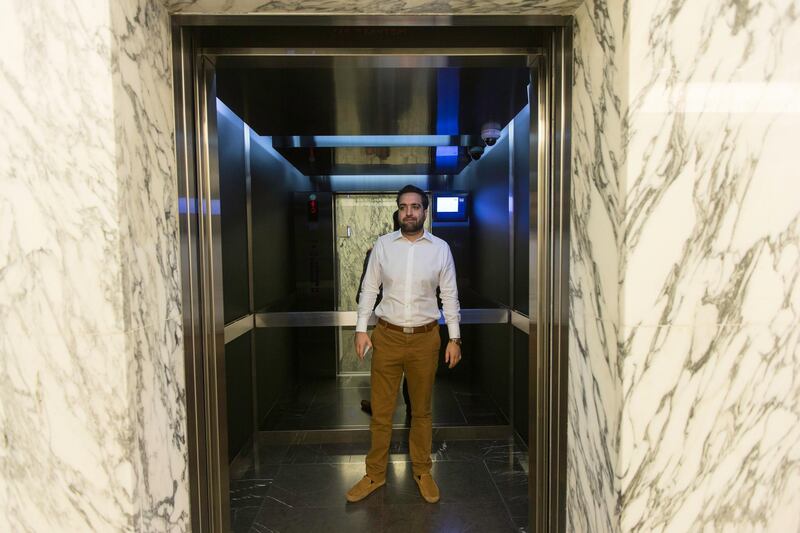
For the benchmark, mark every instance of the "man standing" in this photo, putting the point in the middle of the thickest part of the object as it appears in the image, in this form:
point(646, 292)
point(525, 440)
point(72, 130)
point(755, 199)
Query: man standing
point(366, 406)
point(410, 263)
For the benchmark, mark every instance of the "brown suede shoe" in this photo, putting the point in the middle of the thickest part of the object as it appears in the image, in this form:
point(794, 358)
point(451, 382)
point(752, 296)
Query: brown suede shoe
point(363, 488)
point(427, 488)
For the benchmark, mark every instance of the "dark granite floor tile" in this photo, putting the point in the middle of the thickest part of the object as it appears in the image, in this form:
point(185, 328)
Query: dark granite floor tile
point(246, 498)
point(508, 467)
point(332, 416)
point(275, 516)
point(521, 523)
point(446, 518)
point(513, 488)
point(469, 450)
point(280, 419)
point(248, 492)
point(242, 518)
point(457, 385)
point(444, 409)
point(448, 413)
point(240, 467)
point(271, 454)
point(475, 402)
point(325, 404)
point(300, 397)
point(318, 485)
point(459, 482)
point(333, 453)
point(480, 409)
point(504, 452)
point(261, 471)
point(244, 466)
point(341, 395)
point(495, 419)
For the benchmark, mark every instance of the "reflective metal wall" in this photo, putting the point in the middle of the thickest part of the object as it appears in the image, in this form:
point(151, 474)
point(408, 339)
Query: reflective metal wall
point(235, 273)
point(487, 180)
point(233, 207)
point(520, 160)
point(257, 223)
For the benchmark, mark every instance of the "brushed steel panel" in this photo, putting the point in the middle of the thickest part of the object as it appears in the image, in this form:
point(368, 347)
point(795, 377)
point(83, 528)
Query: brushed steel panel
point(348, 318)
point(268, 19)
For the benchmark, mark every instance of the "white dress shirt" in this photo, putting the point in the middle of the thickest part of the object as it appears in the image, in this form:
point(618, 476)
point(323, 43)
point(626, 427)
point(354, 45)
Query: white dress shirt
point(410, 273)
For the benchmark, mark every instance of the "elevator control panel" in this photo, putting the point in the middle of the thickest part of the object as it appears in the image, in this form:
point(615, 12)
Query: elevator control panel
point(312, 209)
point(313, 251)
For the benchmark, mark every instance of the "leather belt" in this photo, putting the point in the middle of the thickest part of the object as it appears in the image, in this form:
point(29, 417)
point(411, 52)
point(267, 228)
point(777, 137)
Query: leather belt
point(418, 329)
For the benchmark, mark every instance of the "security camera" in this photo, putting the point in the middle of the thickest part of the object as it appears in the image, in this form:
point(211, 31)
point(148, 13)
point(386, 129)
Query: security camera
point(475, 152)
point(490, 132)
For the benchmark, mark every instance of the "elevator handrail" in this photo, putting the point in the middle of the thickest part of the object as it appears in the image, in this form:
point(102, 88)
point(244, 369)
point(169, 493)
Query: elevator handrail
point(304, 319)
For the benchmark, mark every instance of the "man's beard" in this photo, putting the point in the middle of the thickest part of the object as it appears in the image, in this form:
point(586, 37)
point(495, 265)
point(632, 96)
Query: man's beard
point(412, 226)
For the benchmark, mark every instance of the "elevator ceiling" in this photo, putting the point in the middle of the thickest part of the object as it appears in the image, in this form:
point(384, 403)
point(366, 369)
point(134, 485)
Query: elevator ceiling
point(351, 101)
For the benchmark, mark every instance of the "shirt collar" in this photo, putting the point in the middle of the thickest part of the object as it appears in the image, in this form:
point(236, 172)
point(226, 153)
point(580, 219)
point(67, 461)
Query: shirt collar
point(425, 235)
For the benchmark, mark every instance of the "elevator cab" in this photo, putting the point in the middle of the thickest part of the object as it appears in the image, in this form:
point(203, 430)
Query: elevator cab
point(300, 156)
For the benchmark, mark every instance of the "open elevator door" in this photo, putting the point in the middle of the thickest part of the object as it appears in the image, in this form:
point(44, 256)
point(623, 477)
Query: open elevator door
point(208, 395)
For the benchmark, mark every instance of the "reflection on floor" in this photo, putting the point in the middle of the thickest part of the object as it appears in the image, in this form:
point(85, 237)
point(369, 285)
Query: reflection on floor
point(329, 404)
point(301, 487)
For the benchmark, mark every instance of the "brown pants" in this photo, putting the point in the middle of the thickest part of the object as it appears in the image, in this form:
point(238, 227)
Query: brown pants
point(416, 354)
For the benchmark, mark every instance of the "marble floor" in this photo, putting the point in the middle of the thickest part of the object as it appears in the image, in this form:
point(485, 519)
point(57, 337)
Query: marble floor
point(335, 404)
point(301, 487)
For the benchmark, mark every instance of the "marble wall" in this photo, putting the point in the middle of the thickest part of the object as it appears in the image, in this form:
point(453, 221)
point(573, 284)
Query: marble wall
point(685, 268)
point(66, 429)
point(710, 343)
point(91, 380)
point(141, 68)
point(685, 337)
point(596, 239)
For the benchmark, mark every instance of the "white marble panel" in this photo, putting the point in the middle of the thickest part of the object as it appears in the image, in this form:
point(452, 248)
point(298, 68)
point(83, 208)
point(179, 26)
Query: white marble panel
point(65, 458)
point(57, 200)
point(146, 171)
point(158, 405)
point(65, 461)
point(712, 160)
point(710, 435)
point(91, 374)
point(145, 162)
point(371, 7)
point(711, 292)
point(594, 399)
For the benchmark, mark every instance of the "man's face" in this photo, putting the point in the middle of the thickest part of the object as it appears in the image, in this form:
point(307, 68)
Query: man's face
point(411, 213)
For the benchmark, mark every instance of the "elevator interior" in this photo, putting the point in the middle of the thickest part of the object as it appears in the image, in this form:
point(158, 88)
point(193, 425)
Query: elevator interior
point(399, 99)
point(310, 156)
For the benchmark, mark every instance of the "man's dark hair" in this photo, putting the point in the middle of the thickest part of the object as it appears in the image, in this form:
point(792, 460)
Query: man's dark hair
point(413, 188)
point(396, 220)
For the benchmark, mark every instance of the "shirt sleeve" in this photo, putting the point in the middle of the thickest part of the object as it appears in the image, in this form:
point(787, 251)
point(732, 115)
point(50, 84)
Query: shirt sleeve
point(449, 294)
point(370, 285)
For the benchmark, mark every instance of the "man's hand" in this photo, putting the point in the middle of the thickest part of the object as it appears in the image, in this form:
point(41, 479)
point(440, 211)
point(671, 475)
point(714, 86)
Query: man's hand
point(452, 354)
point(362, 343)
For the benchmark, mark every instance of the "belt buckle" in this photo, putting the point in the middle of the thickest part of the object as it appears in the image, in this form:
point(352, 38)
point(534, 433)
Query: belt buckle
point(408, 330)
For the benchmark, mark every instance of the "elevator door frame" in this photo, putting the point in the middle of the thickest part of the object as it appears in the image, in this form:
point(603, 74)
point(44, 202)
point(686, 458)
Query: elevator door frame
point(204, 328)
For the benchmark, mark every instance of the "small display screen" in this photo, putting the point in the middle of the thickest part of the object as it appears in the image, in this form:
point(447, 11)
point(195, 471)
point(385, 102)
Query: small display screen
point(447, 204)
point(450, 207)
